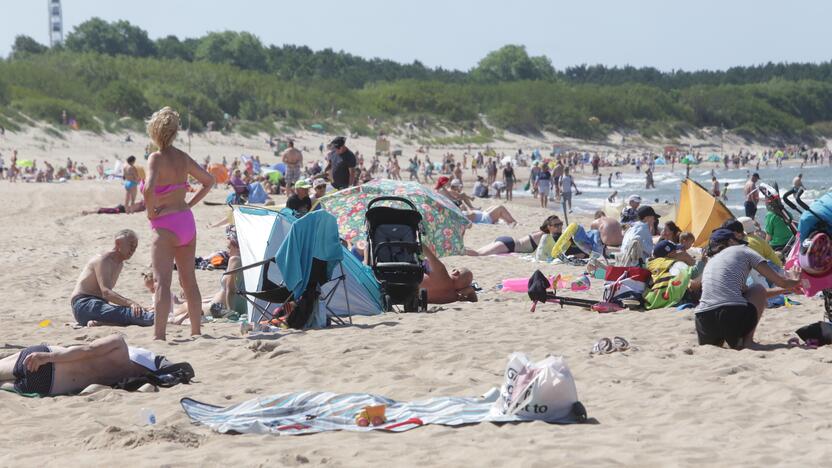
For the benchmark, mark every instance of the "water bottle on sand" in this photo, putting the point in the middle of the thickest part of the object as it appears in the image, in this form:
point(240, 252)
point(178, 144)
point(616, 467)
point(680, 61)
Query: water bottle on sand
point(147, 417)
point(244, 326)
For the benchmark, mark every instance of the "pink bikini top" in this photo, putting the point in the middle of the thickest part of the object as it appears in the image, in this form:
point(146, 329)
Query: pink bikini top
point(163, 189)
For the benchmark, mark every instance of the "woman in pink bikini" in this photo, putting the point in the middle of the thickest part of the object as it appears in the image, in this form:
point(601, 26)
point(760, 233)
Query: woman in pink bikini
point(174, 229)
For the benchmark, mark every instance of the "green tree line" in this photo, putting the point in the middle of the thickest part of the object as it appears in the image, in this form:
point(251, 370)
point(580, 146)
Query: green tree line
point(110, 71)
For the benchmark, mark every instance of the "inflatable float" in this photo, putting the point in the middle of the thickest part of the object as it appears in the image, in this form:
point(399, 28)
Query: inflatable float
point(562, 244)
point(812, 250)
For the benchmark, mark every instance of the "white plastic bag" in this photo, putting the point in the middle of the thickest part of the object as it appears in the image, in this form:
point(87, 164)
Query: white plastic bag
point(542, 390)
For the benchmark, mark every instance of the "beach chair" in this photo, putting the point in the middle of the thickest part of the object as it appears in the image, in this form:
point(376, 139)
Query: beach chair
point(277, 296)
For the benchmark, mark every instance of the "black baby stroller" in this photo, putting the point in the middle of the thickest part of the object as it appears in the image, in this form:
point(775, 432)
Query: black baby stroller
point(394, 246)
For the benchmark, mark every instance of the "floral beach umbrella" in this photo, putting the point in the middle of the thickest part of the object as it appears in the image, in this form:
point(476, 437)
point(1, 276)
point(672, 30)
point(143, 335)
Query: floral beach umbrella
point(443, 222)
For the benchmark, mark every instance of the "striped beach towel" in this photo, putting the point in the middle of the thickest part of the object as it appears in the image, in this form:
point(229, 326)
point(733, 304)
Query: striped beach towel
point(312, 412)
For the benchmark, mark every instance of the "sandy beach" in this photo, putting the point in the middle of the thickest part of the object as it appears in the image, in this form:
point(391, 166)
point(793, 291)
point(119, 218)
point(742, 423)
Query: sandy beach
point(665, 402)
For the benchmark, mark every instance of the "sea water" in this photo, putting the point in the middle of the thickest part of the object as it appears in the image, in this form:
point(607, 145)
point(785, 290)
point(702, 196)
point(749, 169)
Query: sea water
point(816, 178)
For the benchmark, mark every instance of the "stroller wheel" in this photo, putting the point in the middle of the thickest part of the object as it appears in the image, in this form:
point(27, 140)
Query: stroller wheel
point(386, 303)
point(412, 303)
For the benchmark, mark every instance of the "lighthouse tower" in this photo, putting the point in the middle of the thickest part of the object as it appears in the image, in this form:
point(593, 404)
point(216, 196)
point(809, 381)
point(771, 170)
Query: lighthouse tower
point(56, 23)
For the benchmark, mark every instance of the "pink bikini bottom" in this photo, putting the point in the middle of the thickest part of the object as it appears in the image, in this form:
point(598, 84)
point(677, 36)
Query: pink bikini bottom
point(181, 224)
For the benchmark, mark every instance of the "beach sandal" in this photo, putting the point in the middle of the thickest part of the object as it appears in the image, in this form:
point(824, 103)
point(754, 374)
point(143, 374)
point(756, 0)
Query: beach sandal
point(620, 344)
point(603, 346)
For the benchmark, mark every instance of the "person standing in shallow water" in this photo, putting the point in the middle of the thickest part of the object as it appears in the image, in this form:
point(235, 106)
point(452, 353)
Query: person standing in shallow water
point(171, 220)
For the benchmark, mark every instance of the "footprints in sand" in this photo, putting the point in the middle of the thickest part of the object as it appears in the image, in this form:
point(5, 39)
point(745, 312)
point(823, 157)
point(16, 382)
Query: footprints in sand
point(268, 349)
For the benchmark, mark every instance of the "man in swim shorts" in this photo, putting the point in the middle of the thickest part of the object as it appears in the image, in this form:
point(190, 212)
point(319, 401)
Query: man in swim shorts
point(293, 159)
point(752, 196)
point(93, 300)
point(56, 370)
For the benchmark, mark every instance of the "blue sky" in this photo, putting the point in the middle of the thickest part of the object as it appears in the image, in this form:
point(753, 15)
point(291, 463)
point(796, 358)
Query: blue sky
point(668, 34)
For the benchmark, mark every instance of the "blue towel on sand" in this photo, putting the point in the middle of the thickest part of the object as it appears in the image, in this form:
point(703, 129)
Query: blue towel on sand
point(313, 236)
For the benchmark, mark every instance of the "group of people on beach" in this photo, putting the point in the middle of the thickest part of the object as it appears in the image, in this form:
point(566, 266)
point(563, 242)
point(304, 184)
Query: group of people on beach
point(727, 306)
point(56, 370)
point(29, 171)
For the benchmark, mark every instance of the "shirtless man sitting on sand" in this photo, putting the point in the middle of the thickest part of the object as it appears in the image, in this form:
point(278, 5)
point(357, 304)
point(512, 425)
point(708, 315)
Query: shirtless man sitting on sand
point(444, 287)
point(56, 370)
point(93, 300)
point(609, 228)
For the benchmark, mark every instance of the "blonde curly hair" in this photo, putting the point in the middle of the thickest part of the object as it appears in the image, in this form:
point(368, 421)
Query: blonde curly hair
point(163, 126)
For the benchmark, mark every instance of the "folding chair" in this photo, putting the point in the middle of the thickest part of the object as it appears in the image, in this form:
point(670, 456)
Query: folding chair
point(276, 294)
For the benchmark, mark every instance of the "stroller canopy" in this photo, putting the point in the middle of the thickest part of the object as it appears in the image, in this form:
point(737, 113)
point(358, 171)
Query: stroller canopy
point(261, 233)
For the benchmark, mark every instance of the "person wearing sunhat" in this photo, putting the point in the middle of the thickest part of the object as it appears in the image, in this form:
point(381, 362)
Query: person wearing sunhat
point(299, 201)
point(318, 189)
point(452, 191)
point(729, 310)
point(630, 212)
point(637, 244)
point(341, 164)
point(459, 197)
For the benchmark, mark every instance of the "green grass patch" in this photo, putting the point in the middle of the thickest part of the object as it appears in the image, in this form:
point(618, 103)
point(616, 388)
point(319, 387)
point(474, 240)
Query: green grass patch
point(53, 132)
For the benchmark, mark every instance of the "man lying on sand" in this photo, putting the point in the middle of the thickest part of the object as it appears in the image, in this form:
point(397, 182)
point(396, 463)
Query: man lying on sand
point(56, 370)
point(444, 287)
point(93, 300)
point(118, 209)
